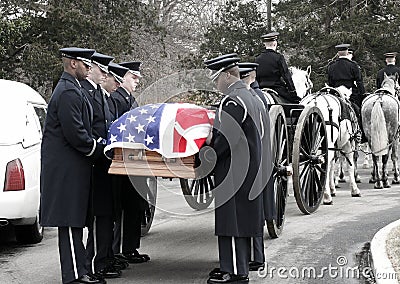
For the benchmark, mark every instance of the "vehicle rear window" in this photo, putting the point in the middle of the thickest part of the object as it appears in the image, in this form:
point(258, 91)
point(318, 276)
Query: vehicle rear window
point(12, 122)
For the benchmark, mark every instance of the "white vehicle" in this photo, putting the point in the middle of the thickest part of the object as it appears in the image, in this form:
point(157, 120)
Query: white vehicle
point(22, 114)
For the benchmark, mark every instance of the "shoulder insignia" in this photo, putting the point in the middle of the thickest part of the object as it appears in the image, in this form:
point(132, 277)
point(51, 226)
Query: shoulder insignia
point(231, 102)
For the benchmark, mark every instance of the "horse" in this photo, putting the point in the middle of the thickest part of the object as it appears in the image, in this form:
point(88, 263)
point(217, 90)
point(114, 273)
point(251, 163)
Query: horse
point(380, 117)
point(345, 95)
point(341, 134)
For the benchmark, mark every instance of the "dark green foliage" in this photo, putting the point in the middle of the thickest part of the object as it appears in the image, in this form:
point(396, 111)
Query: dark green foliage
point(312, 28)
point(237, 28)
point(32, 35)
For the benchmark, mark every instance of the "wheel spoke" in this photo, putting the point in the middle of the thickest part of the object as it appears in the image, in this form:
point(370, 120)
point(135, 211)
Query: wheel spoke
point(303, 151)
point(304, 169)
point(316, 129)
point(282, 149)
point(303, 163)
point(318, 182)
point(196, 189)
point(304, 183)
point(321, 170)
point(304, 140)
point(192, 184)
point(318, 143)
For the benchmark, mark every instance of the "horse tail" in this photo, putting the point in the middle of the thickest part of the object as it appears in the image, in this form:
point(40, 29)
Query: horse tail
point(379, 134)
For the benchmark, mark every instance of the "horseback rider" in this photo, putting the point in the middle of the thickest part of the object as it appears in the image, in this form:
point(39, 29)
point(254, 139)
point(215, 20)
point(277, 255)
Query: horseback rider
point(273, 72)
point(345, 72)
point(389, 69)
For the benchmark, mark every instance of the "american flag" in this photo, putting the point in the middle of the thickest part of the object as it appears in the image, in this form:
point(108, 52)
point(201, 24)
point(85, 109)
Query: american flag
point(174, 130)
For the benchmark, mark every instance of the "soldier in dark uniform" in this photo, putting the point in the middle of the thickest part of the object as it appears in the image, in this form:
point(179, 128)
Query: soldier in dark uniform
point(130, 204)
point(257, 257)
point(124, 94)
point(101, 229)
point(273, 72)
point(248, 73)
point(389, 69)
point(68, 151)
point(115, 77)
point(239, 178)
point(344, 72)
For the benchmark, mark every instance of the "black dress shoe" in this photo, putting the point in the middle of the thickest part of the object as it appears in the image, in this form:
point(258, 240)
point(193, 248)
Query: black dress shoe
point(216, 272)
point(255, 266)
point(108, 272)
point(228, 278)
point(145, 256)
point(90, 279)
point(119, 263)
point(136, 257)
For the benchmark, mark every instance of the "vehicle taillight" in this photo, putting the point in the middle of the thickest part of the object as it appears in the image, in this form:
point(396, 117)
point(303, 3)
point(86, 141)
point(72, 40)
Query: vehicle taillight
point(15, 177)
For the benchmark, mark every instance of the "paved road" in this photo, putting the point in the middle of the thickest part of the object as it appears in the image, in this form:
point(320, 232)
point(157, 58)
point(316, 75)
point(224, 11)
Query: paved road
point(183, 248)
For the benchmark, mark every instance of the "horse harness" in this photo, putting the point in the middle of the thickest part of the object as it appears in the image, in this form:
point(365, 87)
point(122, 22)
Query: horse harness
point(346, 112)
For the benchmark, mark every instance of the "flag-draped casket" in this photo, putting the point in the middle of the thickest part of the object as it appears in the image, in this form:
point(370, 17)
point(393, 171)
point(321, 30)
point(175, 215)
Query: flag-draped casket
point(158, 140)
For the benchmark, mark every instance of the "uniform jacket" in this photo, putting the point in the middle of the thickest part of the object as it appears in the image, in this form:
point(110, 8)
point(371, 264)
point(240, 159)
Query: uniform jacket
point(112, 105)
point(273, 73)
point(101, 111)
point(123, 100)
point(256, 87)
point(268, 193)
point(345, 72)
point(239, 174)
point(101, 198)
point(389, 70)
point(66, 156)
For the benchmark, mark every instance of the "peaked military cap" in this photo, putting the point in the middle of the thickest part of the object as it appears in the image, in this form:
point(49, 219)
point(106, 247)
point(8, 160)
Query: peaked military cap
point(342, 47)
point(117, 71)
point(221, 63)
point(78, 53)
point(133, 66)
point(212, 60)
point(245, 68)
point(270, 36)
point(390, 54)
point(350, 50)
point(102, 61)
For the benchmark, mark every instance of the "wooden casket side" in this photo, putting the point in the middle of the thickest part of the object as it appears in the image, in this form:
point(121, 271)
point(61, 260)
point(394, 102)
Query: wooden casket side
point(140, 162)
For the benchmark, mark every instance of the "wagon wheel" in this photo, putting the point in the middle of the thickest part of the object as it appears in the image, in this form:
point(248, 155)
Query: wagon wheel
point(151, 196)
point(280, 157)
point(310, 156)
point(198, 192)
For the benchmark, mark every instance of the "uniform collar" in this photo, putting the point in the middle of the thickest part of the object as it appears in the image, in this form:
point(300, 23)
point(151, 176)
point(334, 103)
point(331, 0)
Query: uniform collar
point(126, 90)
point(69, 77)
point(92, 83)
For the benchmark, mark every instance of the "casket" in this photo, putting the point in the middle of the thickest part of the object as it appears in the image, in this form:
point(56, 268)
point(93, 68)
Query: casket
point(158, 140)
point(141, 162)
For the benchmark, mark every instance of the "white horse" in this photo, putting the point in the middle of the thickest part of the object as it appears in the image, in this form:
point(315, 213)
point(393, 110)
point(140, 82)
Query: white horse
point(380, 116)
point(340, 135)
point(341, 161)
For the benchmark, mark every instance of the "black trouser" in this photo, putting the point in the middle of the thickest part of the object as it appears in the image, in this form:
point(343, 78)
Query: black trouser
point(99, 243)
point(72, 253)
point(357, 110)
point(234, 255)
point(256, 249)
point(128, 222)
